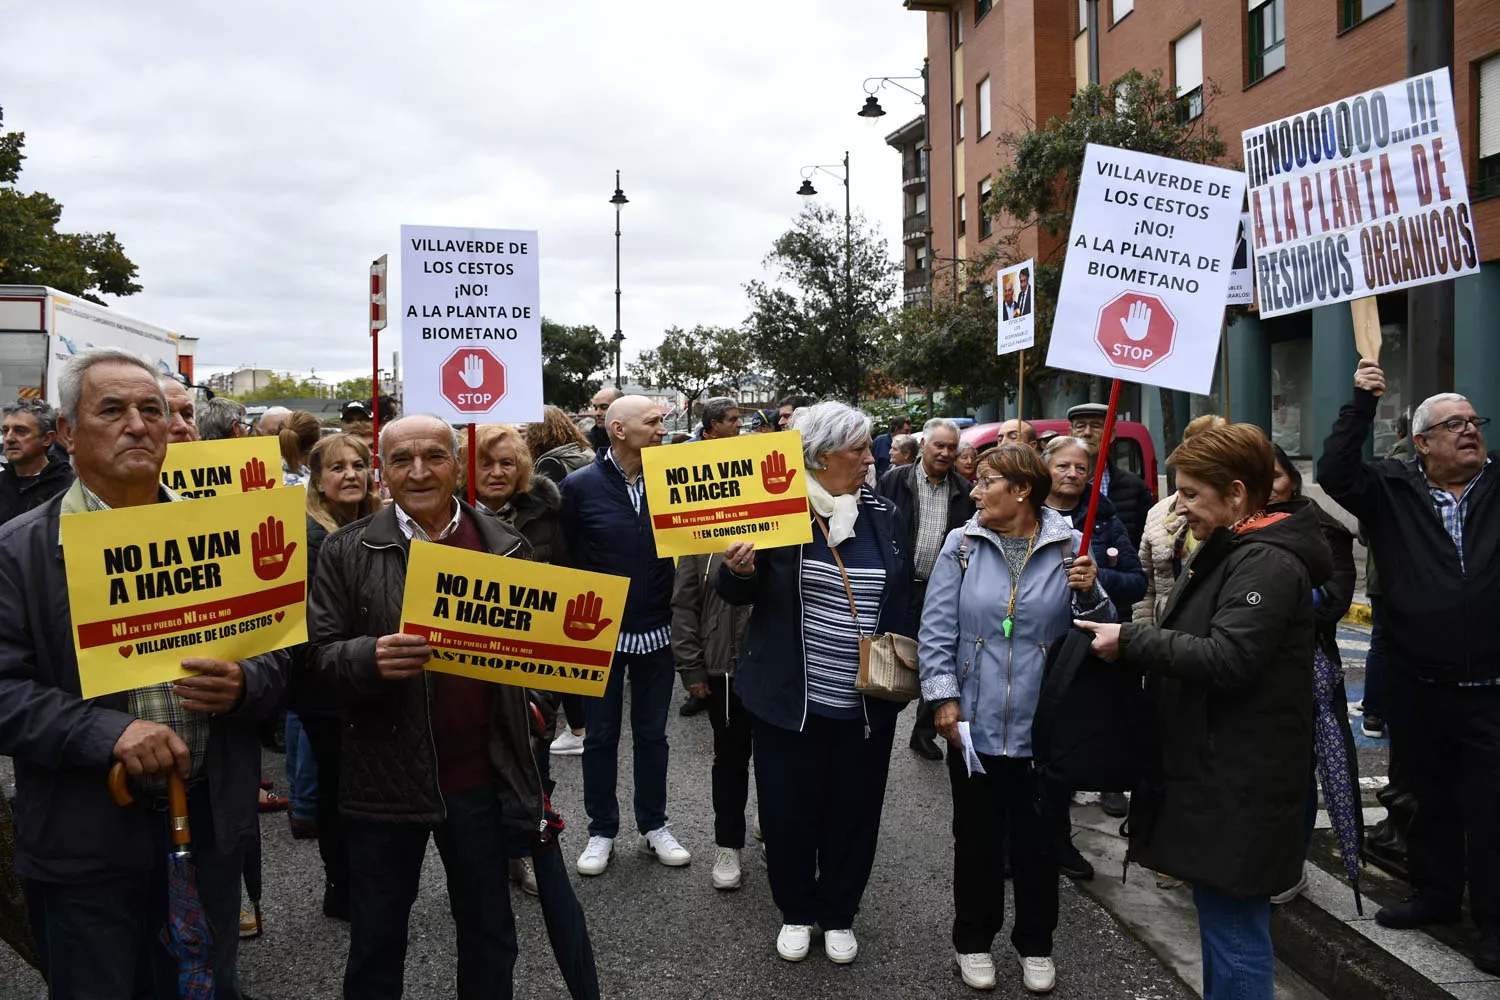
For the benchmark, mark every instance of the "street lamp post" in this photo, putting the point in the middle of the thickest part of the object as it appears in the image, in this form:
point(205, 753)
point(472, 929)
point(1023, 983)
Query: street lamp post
point(872, 109)
point(618, 201)
point(807, 190)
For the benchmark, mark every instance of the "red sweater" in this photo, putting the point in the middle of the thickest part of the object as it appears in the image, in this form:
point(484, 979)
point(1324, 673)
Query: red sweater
point(461, 707)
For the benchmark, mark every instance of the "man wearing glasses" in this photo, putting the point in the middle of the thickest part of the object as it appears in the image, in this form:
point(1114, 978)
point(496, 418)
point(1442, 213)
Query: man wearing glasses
point(1434, 528)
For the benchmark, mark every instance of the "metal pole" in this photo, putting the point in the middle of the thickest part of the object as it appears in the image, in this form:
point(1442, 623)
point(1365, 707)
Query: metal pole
point(618, 335)
point(473, 466)
point(849, 262)
point(1429, 308)
point(375, 399)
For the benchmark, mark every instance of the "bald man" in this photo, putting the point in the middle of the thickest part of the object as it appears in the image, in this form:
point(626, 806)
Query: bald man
point(1016, 432)
point(607, 522)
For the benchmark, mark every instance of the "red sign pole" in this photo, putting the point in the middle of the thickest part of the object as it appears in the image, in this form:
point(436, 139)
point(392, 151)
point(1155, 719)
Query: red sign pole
point(377, 323)
point(473, 465)
point(1109, 433)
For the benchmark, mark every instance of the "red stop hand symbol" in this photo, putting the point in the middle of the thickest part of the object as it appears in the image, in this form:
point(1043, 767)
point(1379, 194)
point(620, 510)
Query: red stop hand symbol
point(253, 476)
point(774, 475)
point(582, 621)
point(269, 552)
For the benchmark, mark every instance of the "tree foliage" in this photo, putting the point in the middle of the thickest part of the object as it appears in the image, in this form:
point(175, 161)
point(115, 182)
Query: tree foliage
point(572, 358)
point(288, 387)
point(34, 252)
point(352, 388)
point(815, 325)
point(695, 361)
point(949, 344)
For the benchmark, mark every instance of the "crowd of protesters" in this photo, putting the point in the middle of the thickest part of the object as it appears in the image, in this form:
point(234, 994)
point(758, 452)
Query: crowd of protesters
point(1224, 597)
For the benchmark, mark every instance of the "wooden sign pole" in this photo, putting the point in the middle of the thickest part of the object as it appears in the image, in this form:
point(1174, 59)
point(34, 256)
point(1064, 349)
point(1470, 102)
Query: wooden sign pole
point(1366, 327)
point(1021, 392)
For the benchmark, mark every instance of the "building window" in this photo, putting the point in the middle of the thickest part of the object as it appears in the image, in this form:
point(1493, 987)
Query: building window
point(1120, 8)
point(963, 215)
point(1267, 38)
point(984, 107)
point(1351, 12)
point(1187, 64)
point(1487, 181)
point(958, 118)
point(1083, 16)
point(921, 258)
point(981, 8)
point(986, 225)
point(958, 28)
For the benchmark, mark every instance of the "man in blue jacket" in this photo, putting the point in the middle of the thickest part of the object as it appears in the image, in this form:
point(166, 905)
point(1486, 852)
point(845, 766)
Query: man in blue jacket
point(607, 522)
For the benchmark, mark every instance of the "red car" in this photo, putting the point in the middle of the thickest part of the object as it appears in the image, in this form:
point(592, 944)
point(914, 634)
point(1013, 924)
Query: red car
point(1131, 448)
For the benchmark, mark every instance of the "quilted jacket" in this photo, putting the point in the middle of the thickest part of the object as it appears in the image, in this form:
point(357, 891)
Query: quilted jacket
point(389, 771)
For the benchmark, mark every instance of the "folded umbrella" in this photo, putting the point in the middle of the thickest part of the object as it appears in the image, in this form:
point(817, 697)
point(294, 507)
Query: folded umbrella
point(186, 933)
point(1335, 770)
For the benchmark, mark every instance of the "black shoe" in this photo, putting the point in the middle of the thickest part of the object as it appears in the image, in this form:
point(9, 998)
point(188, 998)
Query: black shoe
point(335, 901)
point(1073, 864)
point(1114, 804)
point(1416, 912)
point(1372, 726)
point(692, 706)
point(1487, 955)
point(926, 746)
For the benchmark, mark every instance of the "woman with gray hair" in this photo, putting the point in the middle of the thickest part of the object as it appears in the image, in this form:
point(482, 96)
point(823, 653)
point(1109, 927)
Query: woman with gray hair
point(822, 750)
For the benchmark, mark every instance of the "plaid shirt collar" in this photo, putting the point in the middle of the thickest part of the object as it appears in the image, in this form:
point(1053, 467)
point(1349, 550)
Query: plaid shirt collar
point(1453, 511)
point(636, 488)
point(412, 530)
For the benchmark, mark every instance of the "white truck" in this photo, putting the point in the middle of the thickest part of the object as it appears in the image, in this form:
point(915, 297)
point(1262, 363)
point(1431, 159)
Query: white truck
point(40, 328)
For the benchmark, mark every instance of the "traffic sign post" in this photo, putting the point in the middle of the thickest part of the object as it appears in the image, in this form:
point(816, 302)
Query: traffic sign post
point(472, 380)
point(377, 323)
point(1136, 330)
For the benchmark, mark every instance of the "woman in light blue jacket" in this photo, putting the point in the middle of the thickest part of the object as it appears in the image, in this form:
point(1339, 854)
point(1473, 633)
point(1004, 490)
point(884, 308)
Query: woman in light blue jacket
point(1005, 587)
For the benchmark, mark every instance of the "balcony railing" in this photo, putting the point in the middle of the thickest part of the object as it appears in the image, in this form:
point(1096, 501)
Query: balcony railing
point(914, 228)
point(915, 277)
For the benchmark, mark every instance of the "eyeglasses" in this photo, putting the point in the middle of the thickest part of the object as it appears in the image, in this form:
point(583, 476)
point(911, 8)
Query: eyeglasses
point(1457, 425)
point(985, 483)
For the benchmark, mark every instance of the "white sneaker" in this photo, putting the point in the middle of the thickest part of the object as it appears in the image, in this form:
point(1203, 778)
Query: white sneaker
point(668, 851)
point(726, 873)
point(977, 970)
point(794, 941)
point(1038, 975)
point(568, 744)
point(523, 874)
point(595, 856)
point(1293, 892)
point(840, 946)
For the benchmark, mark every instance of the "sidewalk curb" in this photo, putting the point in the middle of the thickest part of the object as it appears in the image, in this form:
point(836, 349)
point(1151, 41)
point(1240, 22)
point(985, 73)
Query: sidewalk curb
point(1339, 961)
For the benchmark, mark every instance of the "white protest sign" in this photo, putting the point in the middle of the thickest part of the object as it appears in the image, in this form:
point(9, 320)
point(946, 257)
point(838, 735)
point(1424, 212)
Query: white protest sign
point(1241, 274)
point(471, 324)
point(1017, 304)
point(1147, 271)
point(1359, 197)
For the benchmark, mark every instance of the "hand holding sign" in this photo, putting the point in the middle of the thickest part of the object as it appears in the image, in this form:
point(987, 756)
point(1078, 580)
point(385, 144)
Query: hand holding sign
point(269, 550)
point(1369, 376)
point(217, 688)
point(774, 475)
point(583, 621)
point(253, 476)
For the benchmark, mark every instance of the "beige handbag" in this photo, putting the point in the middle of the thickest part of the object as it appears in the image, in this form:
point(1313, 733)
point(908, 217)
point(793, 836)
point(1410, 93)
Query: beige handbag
point(888, 661)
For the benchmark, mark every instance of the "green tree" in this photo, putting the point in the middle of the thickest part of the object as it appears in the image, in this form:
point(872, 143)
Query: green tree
point(814, 326)
point(733, 359)
point(572, 358)
point(948, 344)
point(1040, 186)
point(684, 361)
point(34, 252)
point(352, 388)
point(284, 387)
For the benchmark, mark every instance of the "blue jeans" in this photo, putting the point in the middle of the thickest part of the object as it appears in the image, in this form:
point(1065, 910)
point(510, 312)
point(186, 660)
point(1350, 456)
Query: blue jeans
point(99, 938)
point(1376, 667)
point(385, 869)
point(301, 770)
point(1238, 963)
point(652, 678)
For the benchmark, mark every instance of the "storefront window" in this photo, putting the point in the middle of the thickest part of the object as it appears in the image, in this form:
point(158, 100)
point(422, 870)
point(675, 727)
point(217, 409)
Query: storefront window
point(1291, 397)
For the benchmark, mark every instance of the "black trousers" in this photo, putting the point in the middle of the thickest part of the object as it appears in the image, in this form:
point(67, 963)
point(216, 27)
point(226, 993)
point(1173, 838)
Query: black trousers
point(731, 770)
point(325, 732)
point(821, 792)
point(986, 808)
point(1451, 738)
point(574, 710)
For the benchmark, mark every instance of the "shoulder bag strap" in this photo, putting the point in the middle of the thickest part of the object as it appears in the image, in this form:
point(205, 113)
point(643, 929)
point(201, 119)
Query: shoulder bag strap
point(848, 590)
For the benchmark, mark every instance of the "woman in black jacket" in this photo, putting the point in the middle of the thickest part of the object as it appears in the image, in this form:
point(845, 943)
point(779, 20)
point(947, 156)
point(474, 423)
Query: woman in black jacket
point(1228, 671)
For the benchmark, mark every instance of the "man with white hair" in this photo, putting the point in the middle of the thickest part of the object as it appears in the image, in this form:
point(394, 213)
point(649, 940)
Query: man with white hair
point(1434, 529)
point(607, 521)
point(183, 426)
point(271, 420)
point(933, 500)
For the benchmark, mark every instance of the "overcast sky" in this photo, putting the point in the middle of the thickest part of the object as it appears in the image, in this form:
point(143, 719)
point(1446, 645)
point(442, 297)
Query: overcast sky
point(254, 160)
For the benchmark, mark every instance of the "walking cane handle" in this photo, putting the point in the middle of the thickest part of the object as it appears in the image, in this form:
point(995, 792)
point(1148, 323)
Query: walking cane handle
point(118, 790)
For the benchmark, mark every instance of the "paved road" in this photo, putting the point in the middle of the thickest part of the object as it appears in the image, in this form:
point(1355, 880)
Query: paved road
point(666, 933)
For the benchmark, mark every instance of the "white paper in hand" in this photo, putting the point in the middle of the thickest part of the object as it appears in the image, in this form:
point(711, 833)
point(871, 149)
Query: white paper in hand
point(971, 756)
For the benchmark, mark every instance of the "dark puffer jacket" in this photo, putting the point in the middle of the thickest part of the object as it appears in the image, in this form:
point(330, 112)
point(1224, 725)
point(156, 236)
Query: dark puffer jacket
point(1229, 674)
point(16, 499)
point(707, 631)
point(534, 515)
point(389, 760)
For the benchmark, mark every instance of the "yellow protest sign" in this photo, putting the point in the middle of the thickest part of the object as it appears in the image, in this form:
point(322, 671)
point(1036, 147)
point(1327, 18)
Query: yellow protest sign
point(705, 494)
point(512, 621)
point(217, 468)
point(223, 578)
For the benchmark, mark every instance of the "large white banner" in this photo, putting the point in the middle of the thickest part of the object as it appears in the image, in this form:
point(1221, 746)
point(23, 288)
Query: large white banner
point(1358, 197)
point(1147, 272)
point(471, 324)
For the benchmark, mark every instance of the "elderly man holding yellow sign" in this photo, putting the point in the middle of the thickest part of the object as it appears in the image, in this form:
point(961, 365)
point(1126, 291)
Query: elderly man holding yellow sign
point(95, 872)
point(430, 750)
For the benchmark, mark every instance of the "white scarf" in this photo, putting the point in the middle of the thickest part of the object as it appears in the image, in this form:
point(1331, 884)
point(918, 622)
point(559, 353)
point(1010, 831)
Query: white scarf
point(840, 511)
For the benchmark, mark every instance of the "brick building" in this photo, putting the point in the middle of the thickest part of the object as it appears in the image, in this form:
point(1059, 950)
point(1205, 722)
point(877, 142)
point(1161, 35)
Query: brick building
point(1000, 65)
